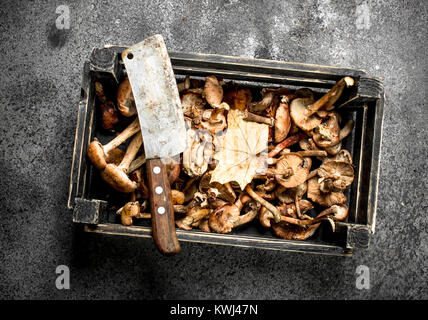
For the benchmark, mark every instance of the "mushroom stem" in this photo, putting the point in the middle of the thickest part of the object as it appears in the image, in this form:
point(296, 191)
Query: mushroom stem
point(184, 85)
point(285, 143)
point(346, 130)
point(330, 97)
point(312, 153)
point(312, 174)
point(132, 129)
point(131, 152)
point(116, 176)
point(98, 153)
point(137, 163)
point(264, 203)
point(245, 218)
point(248, 116)
point(305, 222)
point(296, 203)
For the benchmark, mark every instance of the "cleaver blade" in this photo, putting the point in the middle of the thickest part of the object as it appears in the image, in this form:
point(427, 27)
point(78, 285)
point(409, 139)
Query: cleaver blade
point(162, 126)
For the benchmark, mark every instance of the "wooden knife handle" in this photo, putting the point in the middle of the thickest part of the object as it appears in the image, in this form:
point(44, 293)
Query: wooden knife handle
point(163, 224)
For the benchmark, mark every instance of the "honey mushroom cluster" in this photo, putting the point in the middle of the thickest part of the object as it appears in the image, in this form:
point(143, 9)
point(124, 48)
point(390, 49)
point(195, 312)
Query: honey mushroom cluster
point(306, 168)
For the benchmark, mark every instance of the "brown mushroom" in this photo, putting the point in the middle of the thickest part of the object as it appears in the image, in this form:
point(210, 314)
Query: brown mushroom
point(282, 120)
point(193, 215)
point(98, 153)
point(198, 152)
point(289, 231)
point(109, 116)
point(227, 217)
point(303, 111)
point(117, 176)
point(131, 210)
point(264, 203)
point(325, 199)
point(340, 212)
point(285, 143)
point(342, 155)
point(177, 197)
point(225, 191)
point(213, 91)
point(214, 120)
point(344, 132)
point(327, 101)
point(291, 170)
point(137, 163)
point(125, 99)
point(265, 216)
point(289, 195)
point(327, 133)
point(335, 175)
point(204, 225)
point(184, 85)
point(192, 105)
point(268, 95)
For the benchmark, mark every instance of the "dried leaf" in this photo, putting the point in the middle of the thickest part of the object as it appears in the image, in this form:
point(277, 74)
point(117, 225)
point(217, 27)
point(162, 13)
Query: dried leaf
point(243, 152)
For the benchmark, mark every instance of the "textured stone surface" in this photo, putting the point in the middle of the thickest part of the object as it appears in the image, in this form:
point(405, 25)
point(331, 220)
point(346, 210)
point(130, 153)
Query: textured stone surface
point(41, 72)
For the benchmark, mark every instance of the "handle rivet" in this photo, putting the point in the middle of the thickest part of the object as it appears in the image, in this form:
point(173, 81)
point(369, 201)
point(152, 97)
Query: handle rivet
point(158, 189)
point(156, 170)
point(161, 210)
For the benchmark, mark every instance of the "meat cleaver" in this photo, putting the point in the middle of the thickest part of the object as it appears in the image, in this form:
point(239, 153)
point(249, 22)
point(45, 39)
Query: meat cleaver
point(162, 126)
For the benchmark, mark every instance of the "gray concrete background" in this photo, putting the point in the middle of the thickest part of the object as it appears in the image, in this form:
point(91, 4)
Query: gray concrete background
point(40, 78)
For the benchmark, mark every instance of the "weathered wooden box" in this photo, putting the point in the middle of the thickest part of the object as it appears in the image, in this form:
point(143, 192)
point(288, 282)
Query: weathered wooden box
point(364, 104)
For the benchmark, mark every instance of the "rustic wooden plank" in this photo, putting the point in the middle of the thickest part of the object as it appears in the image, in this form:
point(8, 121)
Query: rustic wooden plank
point(227, 240)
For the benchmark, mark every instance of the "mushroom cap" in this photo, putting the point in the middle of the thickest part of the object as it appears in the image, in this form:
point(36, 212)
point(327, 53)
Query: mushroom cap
point(287, 195)
point(213, 91)
point(299, 170)
point(265, 217)
point(282, 120)
point(193, 216)
point(109, 115)
point(342, 155)
point(341, 212)
point(177, 197)
point(192, 104)
point(297, 112)
point(204, 225)
point(324, 199)
point(96, 154)
point(337, 170)
point(118, 179)
point(125, 99)
point(289, 231)
point(130, 209)
point(225, 192)
point(214, 120)
point(327, 133)
point(222, 219)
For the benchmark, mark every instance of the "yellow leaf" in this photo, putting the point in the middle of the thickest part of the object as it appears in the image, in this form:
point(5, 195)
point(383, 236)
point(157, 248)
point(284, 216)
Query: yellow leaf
point(243, 151)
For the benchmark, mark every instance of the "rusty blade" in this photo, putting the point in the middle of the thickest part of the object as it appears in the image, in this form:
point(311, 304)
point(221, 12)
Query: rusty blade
point(156, 97)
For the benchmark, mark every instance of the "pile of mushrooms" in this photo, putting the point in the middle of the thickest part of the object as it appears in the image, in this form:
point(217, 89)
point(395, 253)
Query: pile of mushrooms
point(307, 173)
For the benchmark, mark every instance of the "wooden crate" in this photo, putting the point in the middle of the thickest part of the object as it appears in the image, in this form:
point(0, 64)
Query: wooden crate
point(364, 103)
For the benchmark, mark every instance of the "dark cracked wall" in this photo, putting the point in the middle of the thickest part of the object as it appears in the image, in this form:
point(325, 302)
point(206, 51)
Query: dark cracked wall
point(40, 78)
